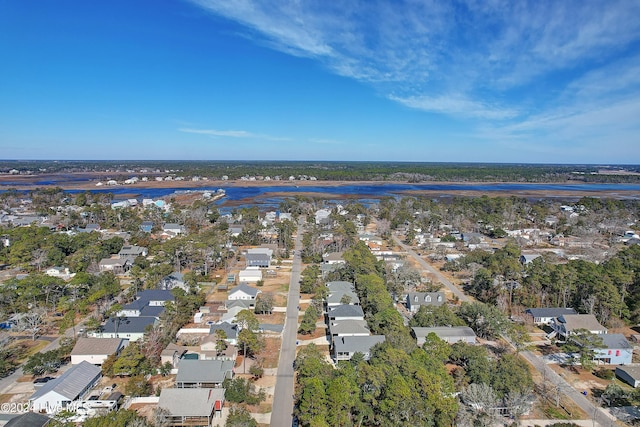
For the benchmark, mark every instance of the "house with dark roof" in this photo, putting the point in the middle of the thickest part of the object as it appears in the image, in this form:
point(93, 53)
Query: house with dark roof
point(258, 260)
point(629, 374)
point(544, 316)
point(415, 300)
point(203, 373)
point(132, 251)
point(131, 328)
point(344, 348)
point(194, 407)
point(71, 386)
point(96, 350)
point(28, 419)
point(155, 297)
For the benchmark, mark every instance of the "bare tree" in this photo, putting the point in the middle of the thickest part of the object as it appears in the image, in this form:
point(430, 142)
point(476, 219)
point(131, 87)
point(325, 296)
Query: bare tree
point(32, 322)
point(480, 405)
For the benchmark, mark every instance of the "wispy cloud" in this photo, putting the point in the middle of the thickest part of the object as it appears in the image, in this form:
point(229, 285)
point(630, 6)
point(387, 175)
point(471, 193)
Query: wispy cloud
point(232, 134)
point(494, 60)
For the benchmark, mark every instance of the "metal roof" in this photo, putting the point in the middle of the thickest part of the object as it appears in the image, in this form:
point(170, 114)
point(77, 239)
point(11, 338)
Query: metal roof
point(195, 402)
point(73, 382)
point(203, 371)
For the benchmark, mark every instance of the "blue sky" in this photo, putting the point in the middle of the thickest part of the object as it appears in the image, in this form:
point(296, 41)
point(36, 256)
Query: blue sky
point(472, 81)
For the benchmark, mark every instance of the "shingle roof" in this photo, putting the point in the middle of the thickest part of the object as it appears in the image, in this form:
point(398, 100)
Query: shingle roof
point(346, 310)
point(581, 321)
point(340, 286)
point(197, 402)
point(615, 341)
point(73, 382)
point(207, 371)
point(155, 295)
point(550, 311)
point(128, 324)
point(352, 326)
point(246, 289)
point(87, 346)
point(357, 343)
point(28, 419)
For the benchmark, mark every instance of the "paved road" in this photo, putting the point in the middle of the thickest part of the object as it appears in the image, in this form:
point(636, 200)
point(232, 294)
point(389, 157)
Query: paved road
point(598, 415)
point(281, 415)
point(595, 413)
point(453, 288)
point(9, 381)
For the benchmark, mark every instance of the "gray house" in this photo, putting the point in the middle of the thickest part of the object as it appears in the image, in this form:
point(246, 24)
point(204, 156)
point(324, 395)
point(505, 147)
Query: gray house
point(345, 312)
point(71, 386)
point(203, 373)
point(345, 347)
point(415, 300)
point(629, 374)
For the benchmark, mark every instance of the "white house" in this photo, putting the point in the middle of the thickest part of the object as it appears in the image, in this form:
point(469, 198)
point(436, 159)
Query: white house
point(96, 350)
point(243, 292)
point(250, 274)
point(71, 386)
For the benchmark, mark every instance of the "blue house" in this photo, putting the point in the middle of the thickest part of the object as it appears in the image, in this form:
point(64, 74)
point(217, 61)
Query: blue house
point(617, 350)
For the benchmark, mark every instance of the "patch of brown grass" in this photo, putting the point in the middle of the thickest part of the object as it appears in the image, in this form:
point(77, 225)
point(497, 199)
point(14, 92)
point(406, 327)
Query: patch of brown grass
point(271, 352)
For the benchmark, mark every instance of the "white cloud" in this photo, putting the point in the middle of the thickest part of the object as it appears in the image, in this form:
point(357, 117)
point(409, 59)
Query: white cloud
point(232, 134)
point(498, 60)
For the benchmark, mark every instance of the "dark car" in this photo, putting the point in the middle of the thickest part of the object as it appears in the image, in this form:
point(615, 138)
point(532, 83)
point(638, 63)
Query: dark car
point(42, 380)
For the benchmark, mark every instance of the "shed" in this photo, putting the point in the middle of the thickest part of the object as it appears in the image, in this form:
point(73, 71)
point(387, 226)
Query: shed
point(630, 374)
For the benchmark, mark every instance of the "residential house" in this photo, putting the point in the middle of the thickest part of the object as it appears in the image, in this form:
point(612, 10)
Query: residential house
point(203, 373)
point(567, 324)
point(173, 228)
point(344, 348)
point(340, 286)
point(96, 350)
point(337, 298)
point(115, 265)
point(132, 251)
point(322, 216)
point(244, 292)
point(417, 299)
point(231, 333)
point(259, 257)
point(450, 334)
point(244, 304)
point(173, 280)
point(629, 374)
point(544, 316)
point(333, 258)
point(526, 259)
point(172, 354)
point(345, 312)
point(146, 226)
point(131, 328)
point(193, 407)
point(349, 328)
point(61, 272)
point(616, 351)
point(71, 386)
point(155, 297)
point(29, 419)
point(250, 275)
